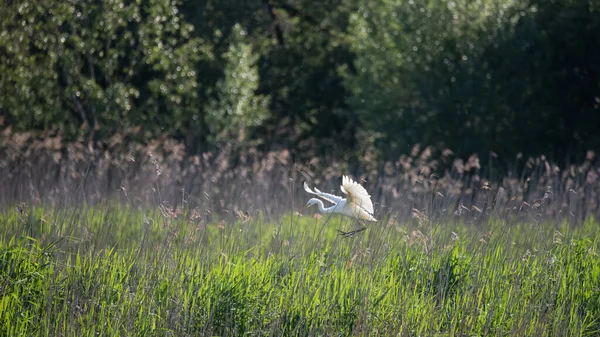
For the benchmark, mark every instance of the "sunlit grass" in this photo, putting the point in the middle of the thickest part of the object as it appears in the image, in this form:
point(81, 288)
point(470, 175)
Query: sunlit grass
point(115, 270)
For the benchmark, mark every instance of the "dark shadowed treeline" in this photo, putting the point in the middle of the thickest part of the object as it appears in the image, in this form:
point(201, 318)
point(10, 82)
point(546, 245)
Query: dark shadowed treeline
point(314, 77)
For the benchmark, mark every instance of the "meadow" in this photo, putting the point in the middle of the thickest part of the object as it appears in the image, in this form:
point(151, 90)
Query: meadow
point(97, 249)
point(114, 271)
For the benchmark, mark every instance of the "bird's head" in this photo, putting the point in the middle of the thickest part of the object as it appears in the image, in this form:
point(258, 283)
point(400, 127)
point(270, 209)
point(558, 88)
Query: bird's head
point(311, 202)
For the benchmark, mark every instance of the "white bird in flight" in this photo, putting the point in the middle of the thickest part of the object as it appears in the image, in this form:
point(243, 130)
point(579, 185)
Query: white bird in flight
point(357, 205)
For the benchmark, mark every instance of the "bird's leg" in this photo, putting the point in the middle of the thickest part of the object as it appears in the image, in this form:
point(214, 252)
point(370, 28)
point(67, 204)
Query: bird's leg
point(351, 233)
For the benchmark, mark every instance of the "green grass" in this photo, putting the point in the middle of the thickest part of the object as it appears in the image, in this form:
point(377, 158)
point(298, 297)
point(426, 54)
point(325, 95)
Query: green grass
point(113, 270)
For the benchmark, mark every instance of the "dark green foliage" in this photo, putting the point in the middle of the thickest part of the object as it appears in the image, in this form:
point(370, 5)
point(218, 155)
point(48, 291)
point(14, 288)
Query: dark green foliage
point(479, 76)
point(318, 77)
point(106, 66)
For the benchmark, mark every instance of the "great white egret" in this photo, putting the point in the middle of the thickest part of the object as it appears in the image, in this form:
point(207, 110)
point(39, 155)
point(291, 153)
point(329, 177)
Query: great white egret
point(357, 205)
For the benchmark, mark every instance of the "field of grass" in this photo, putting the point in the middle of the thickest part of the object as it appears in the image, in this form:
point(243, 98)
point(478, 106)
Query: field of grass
point(114, 270)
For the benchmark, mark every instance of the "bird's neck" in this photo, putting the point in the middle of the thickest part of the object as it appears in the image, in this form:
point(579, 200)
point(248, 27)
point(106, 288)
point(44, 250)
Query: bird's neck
point(325, 210)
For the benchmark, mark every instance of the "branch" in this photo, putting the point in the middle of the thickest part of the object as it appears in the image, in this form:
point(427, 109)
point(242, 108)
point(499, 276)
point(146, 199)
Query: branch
point(273, 14)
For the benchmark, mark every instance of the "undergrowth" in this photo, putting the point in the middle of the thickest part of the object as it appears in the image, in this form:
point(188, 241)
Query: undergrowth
point(117, 270)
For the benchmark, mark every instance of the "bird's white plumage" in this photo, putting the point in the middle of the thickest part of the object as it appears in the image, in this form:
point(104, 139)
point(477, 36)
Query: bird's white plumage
point(334, 199)
point(357, 204)
point(357, 194)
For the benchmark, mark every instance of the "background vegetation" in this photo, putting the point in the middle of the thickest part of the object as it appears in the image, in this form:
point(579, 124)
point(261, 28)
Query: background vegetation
point(152, 154)
point(315, 77)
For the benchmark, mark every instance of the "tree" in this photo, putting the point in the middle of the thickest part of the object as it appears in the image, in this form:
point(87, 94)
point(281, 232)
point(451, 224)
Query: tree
point(237, 107)
point(99, 65)
point(501, 76)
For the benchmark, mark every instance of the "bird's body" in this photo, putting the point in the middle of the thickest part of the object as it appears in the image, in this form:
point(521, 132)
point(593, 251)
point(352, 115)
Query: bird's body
point(356, 205)
point(344, 208)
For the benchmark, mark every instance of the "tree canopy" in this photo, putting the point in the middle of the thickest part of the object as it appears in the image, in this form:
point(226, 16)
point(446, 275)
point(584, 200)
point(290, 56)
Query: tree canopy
point(318, 77)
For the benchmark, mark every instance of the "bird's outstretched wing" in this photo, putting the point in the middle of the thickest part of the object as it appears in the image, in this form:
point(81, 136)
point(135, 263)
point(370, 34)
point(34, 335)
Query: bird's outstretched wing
point(357, 194)
point(329, 197)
